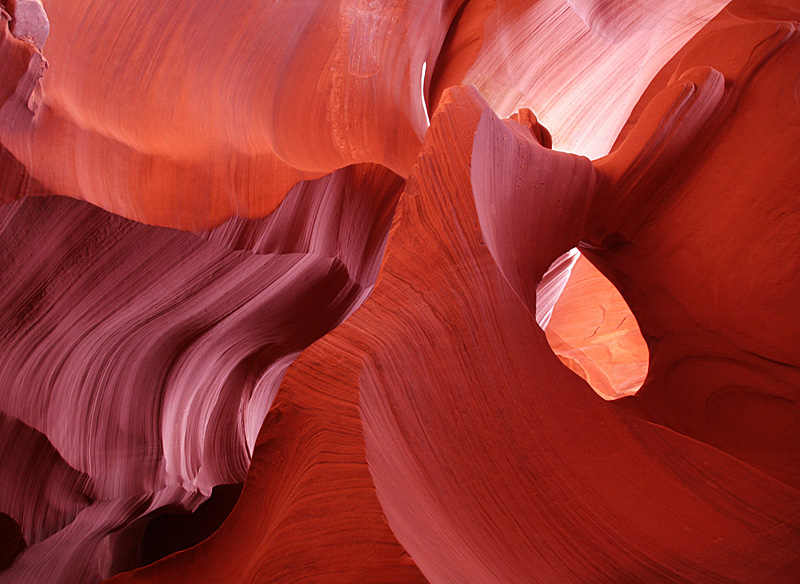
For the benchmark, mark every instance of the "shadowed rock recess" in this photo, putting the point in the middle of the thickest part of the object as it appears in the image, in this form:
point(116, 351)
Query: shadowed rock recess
point(400, 291)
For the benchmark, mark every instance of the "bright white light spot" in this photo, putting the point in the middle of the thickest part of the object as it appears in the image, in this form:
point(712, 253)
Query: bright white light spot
point(422, 93)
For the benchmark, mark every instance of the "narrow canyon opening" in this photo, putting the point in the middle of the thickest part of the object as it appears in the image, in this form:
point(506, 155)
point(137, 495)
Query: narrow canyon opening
point(591, 329)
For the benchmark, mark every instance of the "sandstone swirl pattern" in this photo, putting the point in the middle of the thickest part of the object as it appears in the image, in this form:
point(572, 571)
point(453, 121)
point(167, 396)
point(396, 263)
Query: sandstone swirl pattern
point(312, 247)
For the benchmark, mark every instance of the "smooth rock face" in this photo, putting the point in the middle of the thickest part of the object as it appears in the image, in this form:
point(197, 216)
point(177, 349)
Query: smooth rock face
point(371, 259)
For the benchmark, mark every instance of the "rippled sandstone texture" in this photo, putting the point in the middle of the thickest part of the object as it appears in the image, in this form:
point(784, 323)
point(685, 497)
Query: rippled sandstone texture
point(434, 436)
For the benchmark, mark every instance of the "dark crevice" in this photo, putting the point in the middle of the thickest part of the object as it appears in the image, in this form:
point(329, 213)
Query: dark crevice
point(11, 541)
point(171, 530)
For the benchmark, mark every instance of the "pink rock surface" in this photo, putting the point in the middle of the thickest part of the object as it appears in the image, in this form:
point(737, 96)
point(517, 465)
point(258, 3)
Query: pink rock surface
point(186, 114)
point(437, 434)
point(580, 65)
point(144, 359)
point(704, 245)
point(492, 462)
point(30, 21)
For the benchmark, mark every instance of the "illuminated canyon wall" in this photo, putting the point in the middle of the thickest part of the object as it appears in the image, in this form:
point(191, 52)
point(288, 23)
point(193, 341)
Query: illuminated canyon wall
point(477, 291)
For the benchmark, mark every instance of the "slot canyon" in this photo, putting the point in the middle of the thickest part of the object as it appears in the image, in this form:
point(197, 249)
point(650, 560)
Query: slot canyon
point(400, 291)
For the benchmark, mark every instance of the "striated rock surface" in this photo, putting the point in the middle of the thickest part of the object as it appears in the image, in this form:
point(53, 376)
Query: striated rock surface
point(492, 462)
point(704, 243)
point(580, 65)
point(580, 197)
point(209, 111)
point(309, 507)
point(141, 361)
point(184, 114)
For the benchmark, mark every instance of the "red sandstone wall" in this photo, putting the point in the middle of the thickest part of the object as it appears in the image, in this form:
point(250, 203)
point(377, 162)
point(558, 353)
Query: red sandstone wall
point(305, 246)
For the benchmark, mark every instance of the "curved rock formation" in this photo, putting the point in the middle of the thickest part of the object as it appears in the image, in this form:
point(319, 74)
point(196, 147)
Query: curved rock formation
point(492, 462)
point(214, 110)
point(145, 359)
point(433, 435)
point(706, 256)
point(581, 65)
